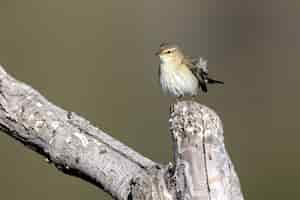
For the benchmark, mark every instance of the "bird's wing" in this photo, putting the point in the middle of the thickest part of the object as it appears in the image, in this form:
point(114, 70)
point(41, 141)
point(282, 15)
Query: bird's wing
point(198, 71)
point(198, 62)
point(199, 68)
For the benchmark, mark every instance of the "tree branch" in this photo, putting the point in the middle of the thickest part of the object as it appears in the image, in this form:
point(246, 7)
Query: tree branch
point(202, 169)
point(67, 140)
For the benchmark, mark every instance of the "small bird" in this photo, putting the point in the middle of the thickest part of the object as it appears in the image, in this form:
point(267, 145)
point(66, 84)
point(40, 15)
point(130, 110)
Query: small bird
point(180, 75)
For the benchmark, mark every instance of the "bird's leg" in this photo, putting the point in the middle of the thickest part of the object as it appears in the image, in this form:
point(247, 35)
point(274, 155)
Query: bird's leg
point(179, 98)
point(171, 108)
point(193, 97)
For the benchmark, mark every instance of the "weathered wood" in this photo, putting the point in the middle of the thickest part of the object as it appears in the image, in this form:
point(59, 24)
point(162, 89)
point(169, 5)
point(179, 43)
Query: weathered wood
point(68, 141)
point(202, 170)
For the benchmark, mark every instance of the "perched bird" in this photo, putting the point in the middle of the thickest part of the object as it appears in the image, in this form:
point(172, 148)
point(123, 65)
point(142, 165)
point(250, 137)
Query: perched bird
point(180, 75)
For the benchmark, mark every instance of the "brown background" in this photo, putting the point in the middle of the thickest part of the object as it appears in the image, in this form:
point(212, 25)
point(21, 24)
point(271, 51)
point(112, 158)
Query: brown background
point(97, 58)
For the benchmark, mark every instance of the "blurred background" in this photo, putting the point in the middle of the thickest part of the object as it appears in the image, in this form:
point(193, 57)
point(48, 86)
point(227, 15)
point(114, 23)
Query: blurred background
point(97, 58)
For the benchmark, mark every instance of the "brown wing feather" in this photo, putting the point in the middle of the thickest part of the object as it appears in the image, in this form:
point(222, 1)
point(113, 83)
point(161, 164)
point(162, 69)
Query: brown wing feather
point(198, 72)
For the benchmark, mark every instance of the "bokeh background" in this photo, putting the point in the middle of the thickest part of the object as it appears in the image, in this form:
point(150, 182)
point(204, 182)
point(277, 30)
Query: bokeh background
point(97, 58)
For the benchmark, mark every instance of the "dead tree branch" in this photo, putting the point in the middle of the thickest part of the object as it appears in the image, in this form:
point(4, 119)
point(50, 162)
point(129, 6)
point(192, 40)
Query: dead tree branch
point(202, 169)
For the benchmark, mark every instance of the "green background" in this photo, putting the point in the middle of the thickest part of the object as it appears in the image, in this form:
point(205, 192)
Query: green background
point(97, 58)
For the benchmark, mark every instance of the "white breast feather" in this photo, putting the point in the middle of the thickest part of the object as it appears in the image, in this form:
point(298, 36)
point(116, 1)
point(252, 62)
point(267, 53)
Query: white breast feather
point(178, 82)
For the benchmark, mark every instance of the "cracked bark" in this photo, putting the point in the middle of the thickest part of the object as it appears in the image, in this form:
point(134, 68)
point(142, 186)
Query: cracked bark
point(202, 168)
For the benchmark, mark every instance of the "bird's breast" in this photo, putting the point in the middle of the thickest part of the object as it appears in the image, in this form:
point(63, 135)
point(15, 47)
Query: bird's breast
point(178, 80)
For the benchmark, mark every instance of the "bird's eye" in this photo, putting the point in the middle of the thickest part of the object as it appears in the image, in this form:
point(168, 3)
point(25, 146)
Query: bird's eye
point(168, 52)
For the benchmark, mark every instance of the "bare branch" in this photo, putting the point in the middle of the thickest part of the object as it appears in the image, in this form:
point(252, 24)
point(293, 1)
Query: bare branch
point(203, 169)
point(69, 141)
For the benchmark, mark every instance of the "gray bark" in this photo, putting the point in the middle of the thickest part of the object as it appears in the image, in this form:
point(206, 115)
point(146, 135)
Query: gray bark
point(202, 169)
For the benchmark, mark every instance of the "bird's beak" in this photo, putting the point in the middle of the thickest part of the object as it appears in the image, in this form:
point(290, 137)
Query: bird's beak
point(158, 53)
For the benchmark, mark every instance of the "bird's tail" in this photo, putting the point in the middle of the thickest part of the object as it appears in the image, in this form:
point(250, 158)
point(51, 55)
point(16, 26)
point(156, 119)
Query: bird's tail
point(212, 81)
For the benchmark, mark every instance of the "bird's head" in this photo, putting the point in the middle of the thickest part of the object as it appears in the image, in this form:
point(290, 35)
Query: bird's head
point(170, 53)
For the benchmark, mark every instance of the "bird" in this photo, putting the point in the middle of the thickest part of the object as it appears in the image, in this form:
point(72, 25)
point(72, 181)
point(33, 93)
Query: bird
point(181, 75)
